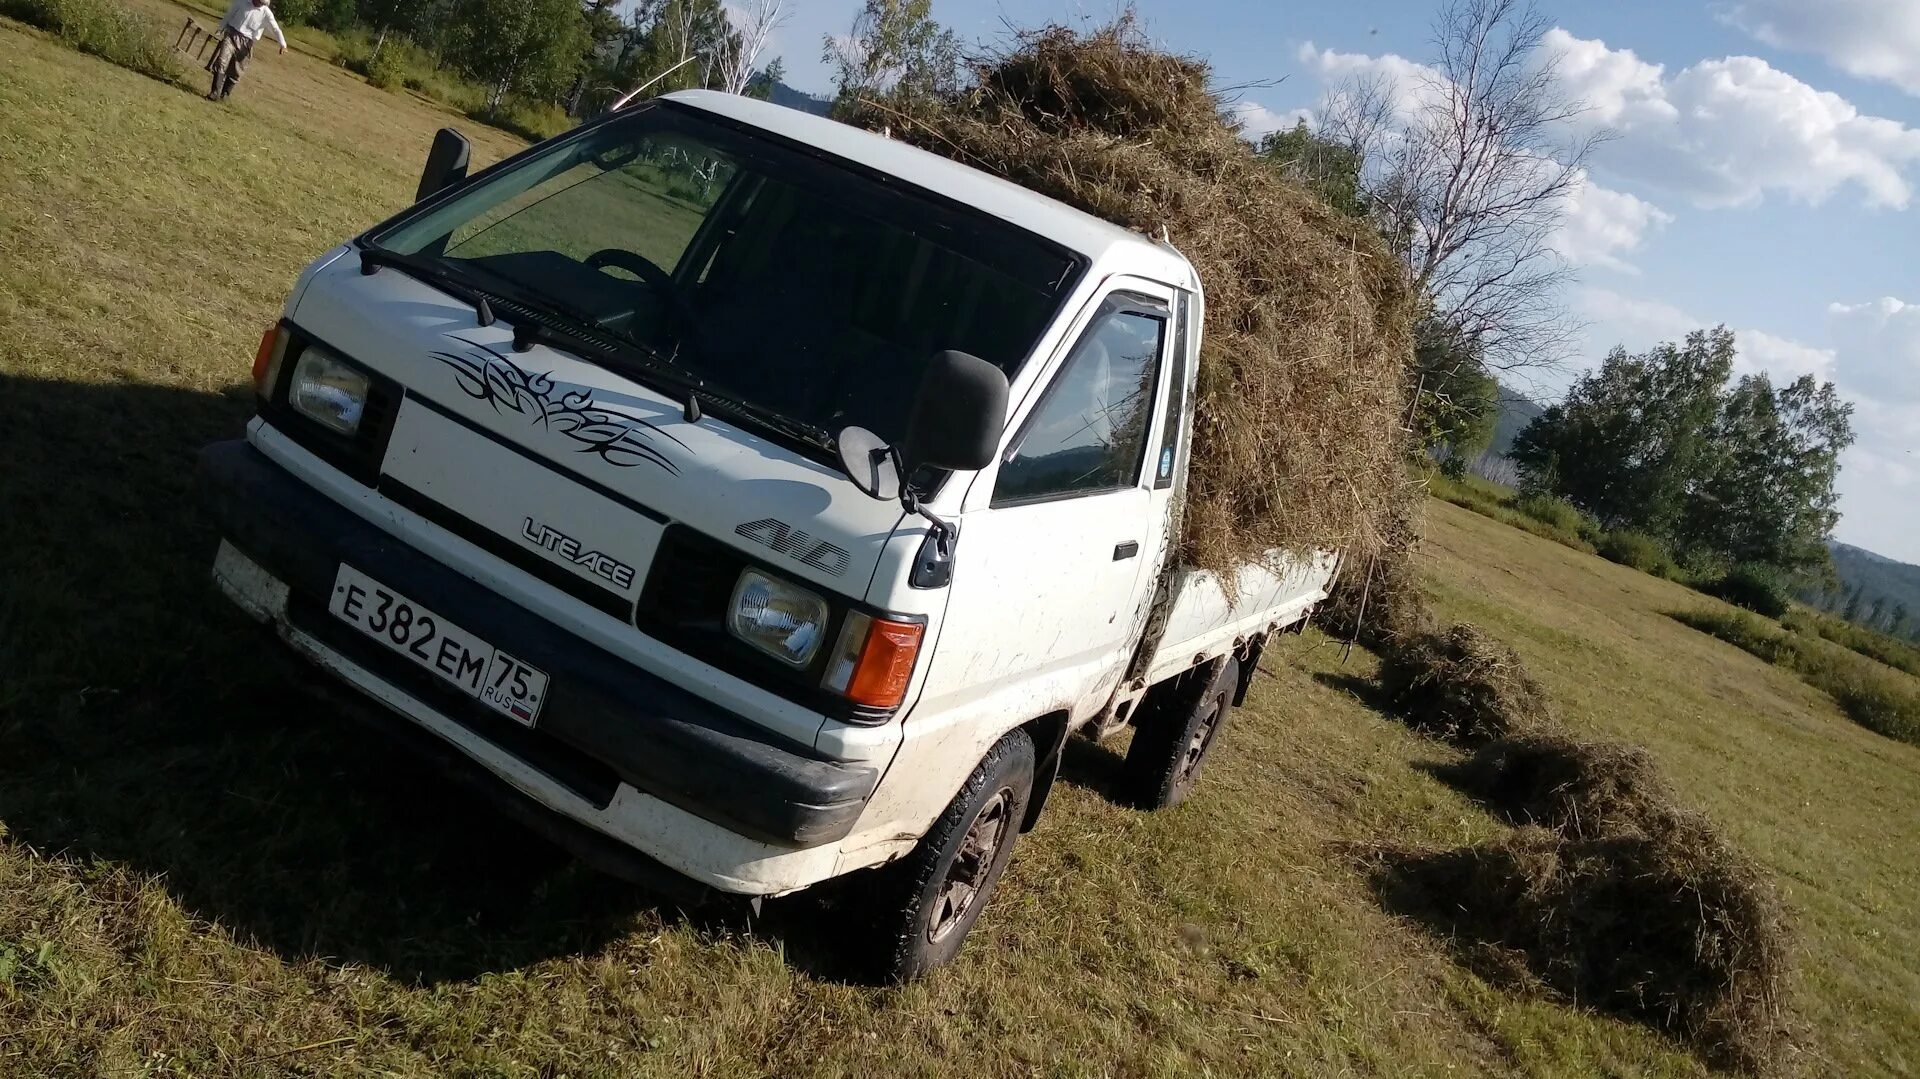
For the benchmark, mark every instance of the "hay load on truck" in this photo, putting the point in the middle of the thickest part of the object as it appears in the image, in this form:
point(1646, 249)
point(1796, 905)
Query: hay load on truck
point(752, 500)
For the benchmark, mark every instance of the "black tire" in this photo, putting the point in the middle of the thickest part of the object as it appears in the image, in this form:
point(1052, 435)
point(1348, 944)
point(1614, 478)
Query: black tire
point(1174, 736)
point(924, 909)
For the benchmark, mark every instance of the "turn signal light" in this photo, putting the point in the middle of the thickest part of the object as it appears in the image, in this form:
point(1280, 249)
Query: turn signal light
point(874, 660)
point(266, 361)
point(886, 663)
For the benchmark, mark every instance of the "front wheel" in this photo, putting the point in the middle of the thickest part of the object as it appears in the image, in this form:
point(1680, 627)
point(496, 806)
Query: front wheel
point(932, 897)
point(1175, 735)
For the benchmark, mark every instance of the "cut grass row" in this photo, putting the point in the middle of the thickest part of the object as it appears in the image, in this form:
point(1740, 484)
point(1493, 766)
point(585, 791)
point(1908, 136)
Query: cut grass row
point(1868, 642)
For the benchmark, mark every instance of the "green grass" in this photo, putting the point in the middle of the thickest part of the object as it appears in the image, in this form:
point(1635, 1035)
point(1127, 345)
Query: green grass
point(1876, 696)
point(202, 873)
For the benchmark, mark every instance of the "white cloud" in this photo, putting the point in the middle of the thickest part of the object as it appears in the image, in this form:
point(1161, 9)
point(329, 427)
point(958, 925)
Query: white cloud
point(1732, 131)
point(1639, 324)
point(1783, 358)
point(1725, 132)
point(1871, 39)
point(1603, 224)
point(1257, 120)
point(1618, 319)
point(1880, 479)
point(1879, 343)
point(1405, 77)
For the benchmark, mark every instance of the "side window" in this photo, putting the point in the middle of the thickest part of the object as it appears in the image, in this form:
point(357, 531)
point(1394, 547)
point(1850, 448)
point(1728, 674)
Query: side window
point(1163, 461)
point(1090, 431)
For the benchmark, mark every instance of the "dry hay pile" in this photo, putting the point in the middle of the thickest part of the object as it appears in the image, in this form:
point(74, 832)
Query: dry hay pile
point(1462, 685)
point(1609, 894)
point(1671, 927)
point(1377, 600)
point(1298, 438)
point(1577, 789)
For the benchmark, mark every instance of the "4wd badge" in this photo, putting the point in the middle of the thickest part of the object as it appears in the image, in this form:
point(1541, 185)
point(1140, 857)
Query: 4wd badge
point(796, 544)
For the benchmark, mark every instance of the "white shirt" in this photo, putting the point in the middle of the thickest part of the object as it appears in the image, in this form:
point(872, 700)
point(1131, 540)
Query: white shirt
point(253, 21)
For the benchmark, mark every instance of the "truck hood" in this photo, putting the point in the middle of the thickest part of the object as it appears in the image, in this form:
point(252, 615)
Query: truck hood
point(521, 443)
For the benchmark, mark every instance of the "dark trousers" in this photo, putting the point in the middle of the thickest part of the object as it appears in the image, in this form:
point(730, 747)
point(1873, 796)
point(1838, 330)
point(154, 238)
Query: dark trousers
point(229, 61)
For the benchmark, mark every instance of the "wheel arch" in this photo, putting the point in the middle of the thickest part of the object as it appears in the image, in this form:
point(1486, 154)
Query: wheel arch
point(1049, 734)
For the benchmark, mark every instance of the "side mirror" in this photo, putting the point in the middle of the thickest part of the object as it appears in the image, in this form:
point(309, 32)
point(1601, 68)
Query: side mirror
point(446, 163)
point(956, 421)
point(957, 415)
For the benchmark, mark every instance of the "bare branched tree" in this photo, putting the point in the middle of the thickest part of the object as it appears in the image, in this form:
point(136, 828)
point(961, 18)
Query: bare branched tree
point(1469, 168)
point(754, 21)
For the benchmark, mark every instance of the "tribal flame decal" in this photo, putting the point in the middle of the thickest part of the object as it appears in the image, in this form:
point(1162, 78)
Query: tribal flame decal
point(486, 374)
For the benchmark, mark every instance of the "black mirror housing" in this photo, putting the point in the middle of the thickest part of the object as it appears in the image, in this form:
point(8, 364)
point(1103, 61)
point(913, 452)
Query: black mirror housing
point(446, 163)
point(957, 415)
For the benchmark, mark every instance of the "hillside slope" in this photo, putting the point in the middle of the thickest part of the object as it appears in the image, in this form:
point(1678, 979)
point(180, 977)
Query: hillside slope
point(206, 869)
point(1879, 576)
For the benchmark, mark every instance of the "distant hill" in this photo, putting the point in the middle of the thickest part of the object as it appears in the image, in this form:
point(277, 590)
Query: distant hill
point(1516, 411)
point(1879, 575)
point(799, 99)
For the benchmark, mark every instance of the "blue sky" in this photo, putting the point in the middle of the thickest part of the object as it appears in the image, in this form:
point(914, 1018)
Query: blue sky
point(1764, 174)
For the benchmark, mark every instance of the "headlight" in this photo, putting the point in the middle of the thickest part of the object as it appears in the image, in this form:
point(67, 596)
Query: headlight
point(328, 390)
point(783, 620)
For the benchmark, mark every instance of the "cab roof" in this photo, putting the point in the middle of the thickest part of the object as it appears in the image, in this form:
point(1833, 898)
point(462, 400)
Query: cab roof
point(1073, 229)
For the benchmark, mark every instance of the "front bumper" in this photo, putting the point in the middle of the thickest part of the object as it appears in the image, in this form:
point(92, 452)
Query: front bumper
point(605, 722)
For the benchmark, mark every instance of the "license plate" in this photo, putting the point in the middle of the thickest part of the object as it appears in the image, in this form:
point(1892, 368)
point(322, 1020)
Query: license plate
point(481, 671)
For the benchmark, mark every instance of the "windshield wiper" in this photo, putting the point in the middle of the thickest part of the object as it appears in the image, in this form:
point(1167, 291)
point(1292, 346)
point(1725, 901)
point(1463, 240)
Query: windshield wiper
point(579, 332)
point(433, 273)
point(651, 369)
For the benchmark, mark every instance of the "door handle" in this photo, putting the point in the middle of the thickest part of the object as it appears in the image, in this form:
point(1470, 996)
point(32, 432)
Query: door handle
point(1124, 551)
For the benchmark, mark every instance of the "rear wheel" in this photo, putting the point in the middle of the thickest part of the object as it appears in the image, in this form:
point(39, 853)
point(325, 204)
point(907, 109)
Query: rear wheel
point(930, 899)
point(1175, 735)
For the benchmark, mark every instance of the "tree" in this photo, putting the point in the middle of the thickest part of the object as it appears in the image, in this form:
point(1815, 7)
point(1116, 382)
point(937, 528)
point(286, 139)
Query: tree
point(1659, 443)
point(1468, 173)
point(758, 19)
point(1328, 168)
point(1851, 612)
point(894, 50)
point(1766, 493)
point(1456, 400)
point(531, 47)
point(1630, 439)
point(1900, 619)
point(1877, 611)
point(762, 84)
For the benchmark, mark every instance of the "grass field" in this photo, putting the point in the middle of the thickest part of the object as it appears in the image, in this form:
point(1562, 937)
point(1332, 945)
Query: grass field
point(199, 878)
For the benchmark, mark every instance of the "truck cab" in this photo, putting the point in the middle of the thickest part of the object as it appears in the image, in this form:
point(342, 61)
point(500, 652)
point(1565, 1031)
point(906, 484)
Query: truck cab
point(748, 499)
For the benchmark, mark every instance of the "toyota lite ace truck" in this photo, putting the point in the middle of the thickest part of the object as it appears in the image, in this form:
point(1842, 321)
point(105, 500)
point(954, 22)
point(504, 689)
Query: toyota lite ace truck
point(752, 499)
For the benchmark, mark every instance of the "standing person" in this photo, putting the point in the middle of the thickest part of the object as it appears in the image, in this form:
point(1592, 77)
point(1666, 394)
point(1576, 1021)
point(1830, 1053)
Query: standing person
point(246, 20)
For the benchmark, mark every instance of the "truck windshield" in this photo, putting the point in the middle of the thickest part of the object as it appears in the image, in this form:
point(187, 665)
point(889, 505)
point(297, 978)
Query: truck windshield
point(779, 277)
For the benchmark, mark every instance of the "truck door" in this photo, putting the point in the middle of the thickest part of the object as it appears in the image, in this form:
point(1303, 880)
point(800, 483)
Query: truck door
point(1057, 557)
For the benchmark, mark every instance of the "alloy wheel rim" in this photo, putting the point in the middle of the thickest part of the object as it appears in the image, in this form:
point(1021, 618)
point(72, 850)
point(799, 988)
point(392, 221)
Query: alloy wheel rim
point(972, 864)
point(1202, 737)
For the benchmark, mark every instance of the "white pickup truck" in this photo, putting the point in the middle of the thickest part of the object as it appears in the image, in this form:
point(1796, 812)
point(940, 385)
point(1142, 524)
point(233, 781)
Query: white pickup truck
point(750, 497)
